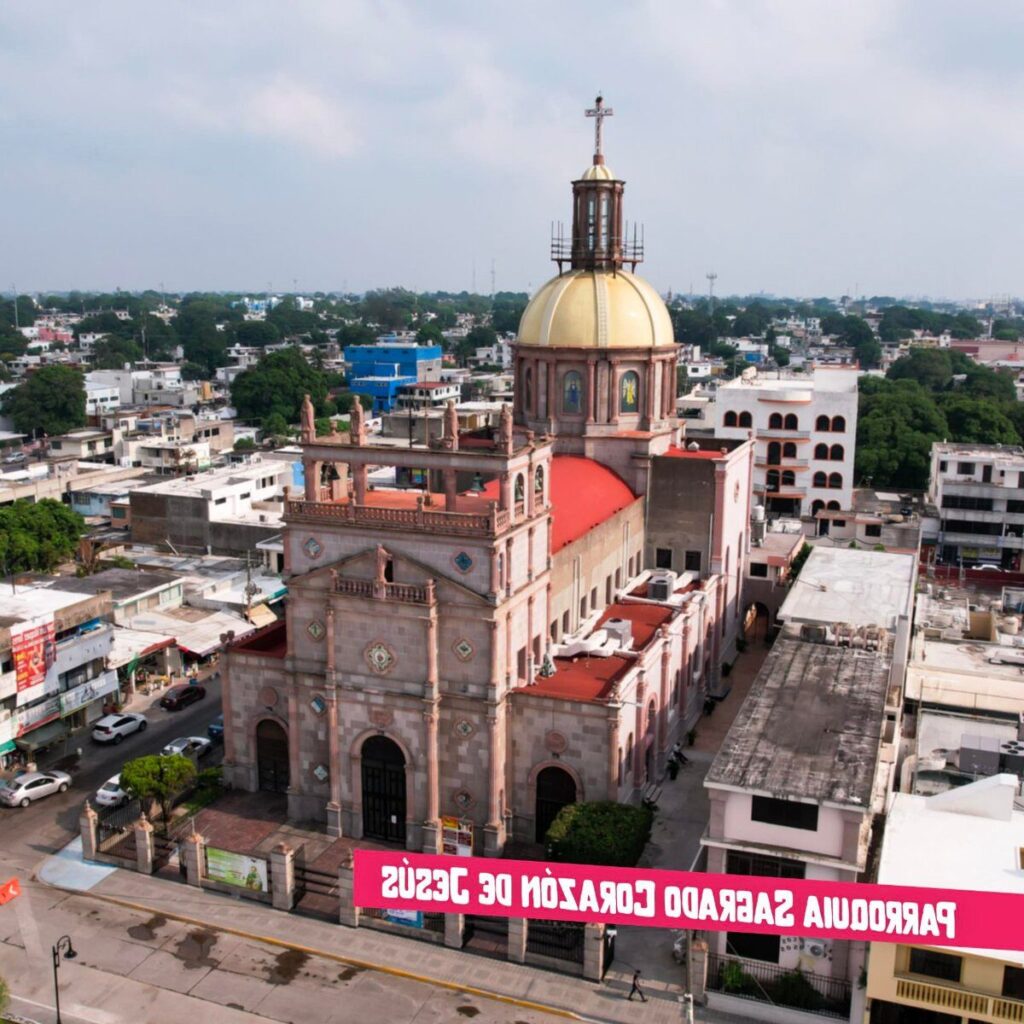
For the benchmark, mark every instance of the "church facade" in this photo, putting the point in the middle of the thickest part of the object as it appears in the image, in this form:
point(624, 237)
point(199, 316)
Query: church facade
point(505, 640)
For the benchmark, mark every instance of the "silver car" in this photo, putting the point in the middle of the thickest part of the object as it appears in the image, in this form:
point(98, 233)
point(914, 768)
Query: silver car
point(22, 790)
point(188, 746)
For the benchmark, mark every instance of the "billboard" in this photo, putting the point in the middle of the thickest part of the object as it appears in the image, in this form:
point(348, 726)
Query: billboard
point(238, 869)
point(34, 649)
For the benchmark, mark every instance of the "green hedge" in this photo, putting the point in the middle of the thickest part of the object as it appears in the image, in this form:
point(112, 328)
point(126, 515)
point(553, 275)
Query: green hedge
point(599, 833)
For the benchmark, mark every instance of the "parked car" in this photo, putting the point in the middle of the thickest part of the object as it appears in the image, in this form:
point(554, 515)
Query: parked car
point(21, 791)
point(215, 730)
point(14, 459)
point(189, 746)
point(110, 794)
point(114, 728)
point(178, 697)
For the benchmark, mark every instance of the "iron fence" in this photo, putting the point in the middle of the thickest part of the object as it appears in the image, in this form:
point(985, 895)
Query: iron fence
point(562, 940)
point(780, 986)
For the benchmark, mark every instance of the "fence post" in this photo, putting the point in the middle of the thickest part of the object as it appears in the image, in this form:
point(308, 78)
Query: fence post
point(192, 850)
point(454, 927)
point(282, 876)
point(144, 846)
point(348, 912)
point(517, 932)
point(593, 952)
point(697, 970)
point(88, 824)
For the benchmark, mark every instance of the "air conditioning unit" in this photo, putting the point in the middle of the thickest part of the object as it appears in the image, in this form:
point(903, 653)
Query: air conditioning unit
point(622, 630)
point(661, 585)
point(818, 949)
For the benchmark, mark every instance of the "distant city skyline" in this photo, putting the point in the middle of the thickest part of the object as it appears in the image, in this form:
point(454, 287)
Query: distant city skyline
point(794, 148)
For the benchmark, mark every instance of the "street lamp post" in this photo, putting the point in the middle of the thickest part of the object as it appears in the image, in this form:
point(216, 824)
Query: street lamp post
point(61, 947)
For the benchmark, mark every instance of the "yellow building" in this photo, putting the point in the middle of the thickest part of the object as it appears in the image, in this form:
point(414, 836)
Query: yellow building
point(966, 838)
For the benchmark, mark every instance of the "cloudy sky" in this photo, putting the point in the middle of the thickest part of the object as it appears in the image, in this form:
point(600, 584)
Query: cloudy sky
point(796, 147)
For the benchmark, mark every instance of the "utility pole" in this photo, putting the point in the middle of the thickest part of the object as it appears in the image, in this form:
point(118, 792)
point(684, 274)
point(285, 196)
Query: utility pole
point(492, 281)
point(712, 278)
point(14, 288)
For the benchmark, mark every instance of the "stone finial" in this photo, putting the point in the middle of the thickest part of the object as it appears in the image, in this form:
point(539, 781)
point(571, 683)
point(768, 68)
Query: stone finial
point(381, 564)
point(357, 423)
point(505, 428)
point(90, 813)
point(348, 860)
point(451, 425)
point(283, 848)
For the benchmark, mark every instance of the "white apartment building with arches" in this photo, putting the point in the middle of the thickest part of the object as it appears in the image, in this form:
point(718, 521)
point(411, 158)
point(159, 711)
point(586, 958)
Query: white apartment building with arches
point(805, 430)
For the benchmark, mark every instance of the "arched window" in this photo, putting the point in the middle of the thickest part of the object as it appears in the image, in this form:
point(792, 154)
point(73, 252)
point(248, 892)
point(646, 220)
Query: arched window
point(821, 451)
point(773, 479)
point(820, 480)
point(527, 390)
point(835, 480)
point(730, 419)
point(746, 420)
point(629, 392)
point(838, 424)
point(775, 421)
point(538, 483)
point(774, 452)
point(629, 754)
point(816, 506)
point(833, 506)
point(821, 423)
point(520, 489)
point(789, 450)
point(572, 393)
point(788, 478)
point(791, 421)
point(651, 717)
point(835, 453)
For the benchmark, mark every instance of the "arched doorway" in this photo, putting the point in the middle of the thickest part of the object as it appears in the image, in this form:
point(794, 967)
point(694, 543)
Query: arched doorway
point(556, 788)
point(272, 756)
point(383, 767)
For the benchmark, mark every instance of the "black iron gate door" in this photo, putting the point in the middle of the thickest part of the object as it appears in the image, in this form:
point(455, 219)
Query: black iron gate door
point(383, 791)
point(272, 757)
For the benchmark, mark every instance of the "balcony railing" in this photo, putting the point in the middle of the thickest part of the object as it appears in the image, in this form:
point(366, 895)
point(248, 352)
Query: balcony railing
point(348, 513)
point(410, 593)
point(961, 1001)
point(780, 986)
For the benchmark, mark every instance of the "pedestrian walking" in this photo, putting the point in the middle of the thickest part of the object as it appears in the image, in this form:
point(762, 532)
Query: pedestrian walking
point(636, 990)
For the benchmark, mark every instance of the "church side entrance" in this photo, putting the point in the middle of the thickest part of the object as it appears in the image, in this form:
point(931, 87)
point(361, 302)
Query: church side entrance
point(383, 767)
point(272, 757)
point(555, 789)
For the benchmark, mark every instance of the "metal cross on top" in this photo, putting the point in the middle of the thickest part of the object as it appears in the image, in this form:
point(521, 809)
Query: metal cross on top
point(599, 112)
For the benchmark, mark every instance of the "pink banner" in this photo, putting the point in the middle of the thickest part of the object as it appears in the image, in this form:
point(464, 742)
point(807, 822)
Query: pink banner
point(684, 899)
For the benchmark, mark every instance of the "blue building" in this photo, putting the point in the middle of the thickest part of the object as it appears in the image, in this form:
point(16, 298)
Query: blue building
point(381, 370)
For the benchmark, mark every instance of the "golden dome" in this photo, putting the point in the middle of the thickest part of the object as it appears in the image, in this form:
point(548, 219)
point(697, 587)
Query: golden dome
point(596, 309)
point(598, 172)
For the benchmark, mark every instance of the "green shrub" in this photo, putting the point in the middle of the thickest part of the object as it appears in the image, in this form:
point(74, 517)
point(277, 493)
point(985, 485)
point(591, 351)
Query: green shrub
point(209, 786)
point(599, 833)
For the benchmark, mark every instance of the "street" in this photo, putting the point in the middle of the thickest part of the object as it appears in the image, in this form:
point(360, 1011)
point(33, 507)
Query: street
point(30, 833)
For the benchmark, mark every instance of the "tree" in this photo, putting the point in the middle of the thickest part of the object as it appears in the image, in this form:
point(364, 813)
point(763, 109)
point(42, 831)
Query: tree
point(275, 386)
point(193, 371)
point(429, 334)
point(244, 444)
point(158, 777)
point(112, 352)
point(52, 400)
point(478, 337)
point(975, 419)
point(356, 333)
point(38, 536)
point(257, 333)
point(5, 995)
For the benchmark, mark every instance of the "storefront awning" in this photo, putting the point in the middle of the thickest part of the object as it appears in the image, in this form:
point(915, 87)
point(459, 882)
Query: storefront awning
point(260, 615)
point(133, 643)
point(43, 736)
point(197, 631)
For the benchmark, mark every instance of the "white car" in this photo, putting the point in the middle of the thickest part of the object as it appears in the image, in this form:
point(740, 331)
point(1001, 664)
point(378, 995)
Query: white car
point(188, 746)
point(114, 728)
point(110, 794)
point(23, 789)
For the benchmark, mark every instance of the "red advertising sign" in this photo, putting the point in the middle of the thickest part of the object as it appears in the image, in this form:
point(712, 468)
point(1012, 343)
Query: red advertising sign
point(685, 899)
point(33, 650)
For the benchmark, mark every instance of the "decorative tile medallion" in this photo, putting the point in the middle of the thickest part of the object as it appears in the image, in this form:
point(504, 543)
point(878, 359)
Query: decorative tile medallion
point(555, 742)
point(463, 649)
point(463, 728)
point(321, 772)
point(463, 799)
point(380, 658)
point(313, 547)
point(268, 697)
point(318, 704)
point(316, 630)
point(463, 562)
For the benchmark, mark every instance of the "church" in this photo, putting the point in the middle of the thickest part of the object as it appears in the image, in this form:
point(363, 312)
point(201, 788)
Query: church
point(541, 620)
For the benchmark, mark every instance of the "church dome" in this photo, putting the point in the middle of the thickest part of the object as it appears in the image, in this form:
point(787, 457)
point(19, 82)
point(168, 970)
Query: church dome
point(598, 172)
point(596, 309)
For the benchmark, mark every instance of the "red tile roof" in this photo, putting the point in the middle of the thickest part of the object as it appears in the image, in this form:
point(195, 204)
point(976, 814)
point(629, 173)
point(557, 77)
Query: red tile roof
point(269, 642)
point(703, 453)
point(581, 678)
point(646, 619)
point(584, 494)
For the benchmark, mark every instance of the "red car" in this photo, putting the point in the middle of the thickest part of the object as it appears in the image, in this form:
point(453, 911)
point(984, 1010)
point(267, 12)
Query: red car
point(178, 697)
